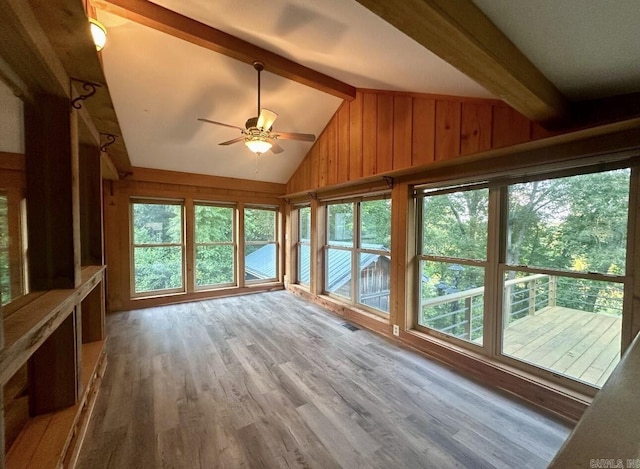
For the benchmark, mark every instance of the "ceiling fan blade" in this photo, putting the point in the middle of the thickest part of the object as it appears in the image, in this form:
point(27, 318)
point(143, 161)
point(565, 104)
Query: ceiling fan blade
point(220, 123)
point(235, 140)
point(266, 119)
point(275, 148)
point(295, 136)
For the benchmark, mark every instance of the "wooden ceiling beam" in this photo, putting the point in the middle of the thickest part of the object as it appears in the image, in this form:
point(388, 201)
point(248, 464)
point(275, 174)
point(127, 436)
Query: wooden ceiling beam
point(462, 35)
point(169, 22)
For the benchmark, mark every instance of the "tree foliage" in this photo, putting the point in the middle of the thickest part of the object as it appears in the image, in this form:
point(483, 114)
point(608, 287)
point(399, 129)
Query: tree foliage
point(576, 223)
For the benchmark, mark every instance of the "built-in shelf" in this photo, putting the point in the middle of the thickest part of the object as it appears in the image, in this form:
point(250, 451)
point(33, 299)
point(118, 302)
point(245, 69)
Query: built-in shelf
point(52, 439)
point(27, 328)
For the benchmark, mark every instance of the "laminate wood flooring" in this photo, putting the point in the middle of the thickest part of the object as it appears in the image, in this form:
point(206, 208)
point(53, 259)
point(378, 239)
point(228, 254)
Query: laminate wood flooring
point(269, 380)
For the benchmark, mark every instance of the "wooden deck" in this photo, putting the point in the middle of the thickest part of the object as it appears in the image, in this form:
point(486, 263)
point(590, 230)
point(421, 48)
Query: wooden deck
point(575, 343)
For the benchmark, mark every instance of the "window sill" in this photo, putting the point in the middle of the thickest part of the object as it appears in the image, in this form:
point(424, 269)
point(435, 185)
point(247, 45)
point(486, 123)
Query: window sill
point(185, 297)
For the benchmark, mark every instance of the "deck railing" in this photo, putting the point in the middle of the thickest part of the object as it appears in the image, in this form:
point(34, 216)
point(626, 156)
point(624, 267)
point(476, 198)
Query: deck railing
point(461, 313)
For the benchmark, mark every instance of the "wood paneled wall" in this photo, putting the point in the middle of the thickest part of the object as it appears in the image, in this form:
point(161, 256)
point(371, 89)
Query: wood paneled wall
point(383, 131)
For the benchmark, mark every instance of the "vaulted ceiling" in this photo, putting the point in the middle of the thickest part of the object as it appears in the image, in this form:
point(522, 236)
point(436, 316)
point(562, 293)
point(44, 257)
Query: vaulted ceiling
point(161, 83)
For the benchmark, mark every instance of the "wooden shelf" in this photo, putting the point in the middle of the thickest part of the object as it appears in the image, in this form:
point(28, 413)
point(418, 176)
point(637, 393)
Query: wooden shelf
point(27, 328)
point(49, 440)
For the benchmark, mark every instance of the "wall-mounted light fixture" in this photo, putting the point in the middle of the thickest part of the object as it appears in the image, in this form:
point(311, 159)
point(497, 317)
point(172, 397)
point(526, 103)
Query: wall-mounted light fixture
point(99, 33)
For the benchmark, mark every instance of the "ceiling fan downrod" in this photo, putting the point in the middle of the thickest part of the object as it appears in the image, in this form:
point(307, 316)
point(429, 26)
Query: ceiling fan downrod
point(259, 66)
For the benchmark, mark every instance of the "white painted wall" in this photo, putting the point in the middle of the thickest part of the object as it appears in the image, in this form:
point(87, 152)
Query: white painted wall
point(11, 121)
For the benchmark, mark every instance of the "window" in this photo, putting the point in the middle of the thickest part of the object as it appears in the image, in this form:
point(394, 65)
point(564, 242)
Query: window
point(339, 250)
point(563, 279)
point(157, 235)
point(374, 254)
point(357, 253)
point(556, 275)
point(13, 259)
point(215, 247)
point(452, 255)
point(260, 245)
point(303, 248)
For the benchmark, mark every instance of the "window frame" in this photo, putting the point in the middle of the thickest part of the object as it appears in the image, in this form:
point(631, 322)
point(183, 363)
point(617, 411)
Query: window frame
point(355, 250)
point(420, 194)
point(133, 245)
point(233, 243)
point(16, 250)
point(299, 245)
point(275, 242)
point(497, 266)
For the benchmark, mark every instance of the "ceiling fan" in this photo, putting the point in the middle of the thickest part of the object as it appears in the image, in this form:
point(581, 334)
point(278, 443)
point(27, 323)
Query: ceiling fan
point(258, 134)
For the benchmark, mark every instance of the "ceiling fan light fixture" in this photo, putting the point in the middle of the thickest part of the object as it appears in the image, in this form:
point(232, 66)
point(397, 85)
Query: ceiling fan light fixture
point(99, 33)
point(257, 144)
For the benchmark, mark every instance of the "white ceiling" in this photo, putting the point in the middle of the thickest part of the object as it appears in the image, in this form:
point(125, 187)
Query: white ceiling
point(588, 48)
point(160, 85)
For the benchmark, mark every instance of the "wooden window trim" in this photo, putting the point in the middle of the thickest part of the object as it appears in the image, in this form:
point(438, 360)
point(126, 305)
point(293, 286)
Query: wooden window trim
point(233, 243)
point(132, 246)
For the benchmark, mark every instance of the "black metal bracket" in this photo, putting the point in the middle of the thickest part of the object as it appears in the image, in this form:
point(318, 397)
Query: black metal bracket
point(313, 195)
point(91, 89)
point(111, 139)
point(389, 181)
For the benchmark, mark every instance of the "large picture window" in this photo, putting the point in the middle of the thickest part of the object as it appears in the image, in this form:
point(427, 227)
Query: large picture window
point(157, 246)
point(215, 247)
point(555, 283)
point(260, 244)
point(358, 252)
point(563, 278)
point(452, 255)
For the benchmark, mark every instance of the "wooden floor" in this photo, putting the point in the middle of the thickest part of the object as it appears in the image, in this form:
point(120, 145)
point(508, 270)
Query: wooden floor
point(268, 380)
point(575, 343)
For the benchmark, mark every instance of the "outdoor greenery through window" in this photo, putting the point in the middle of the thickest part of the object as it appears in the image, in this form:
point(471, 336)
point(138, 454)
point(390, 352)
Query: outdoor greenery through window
point(560, 269)
point(260, 245)
point(566, 316)
point(358, 252)
point(304, 246)
point(13, 252)
point(157, 246)
point(453, 253)
point(5, 267)
point(214, 245)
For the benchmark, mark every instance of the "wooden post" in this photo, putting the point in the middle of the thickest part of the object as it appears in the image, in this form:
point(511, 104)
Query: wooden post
point(553, 290)
point(90, 206)
point(403, 273)
point(532, 297)
point(53, 378)
point(468, 304)
point(189, 243)
point(506, 306)
point(292, 235)
point(240, 238)
point(92, 313)
point(316, 283)
point(53, 193)
point(53, 215)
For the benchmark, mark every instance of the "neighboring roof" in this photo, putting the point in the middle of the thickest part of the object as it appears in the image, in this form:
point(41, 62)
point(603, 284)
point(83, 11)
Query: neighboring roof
point(340, 265)
point(261, 262)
